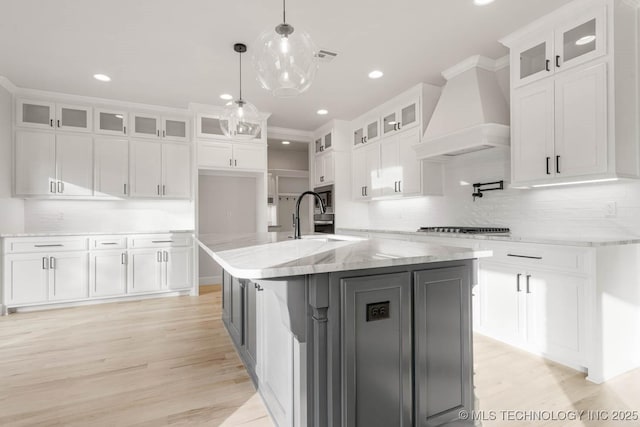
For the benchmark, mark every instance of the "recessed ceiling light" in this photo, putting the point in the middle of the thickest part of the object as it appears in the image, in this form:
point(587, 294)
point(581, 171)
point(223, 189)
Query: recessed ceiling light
point(102, 77)
point(585, 40)
point(482, 2)
point(376, 74)
point(322, 112)
point(286, 142)
point(226, 97)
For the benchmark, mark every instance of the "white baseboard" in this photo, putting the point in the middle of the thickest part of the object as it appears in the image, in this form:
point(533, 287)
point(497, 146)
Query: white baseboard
point(210, 280)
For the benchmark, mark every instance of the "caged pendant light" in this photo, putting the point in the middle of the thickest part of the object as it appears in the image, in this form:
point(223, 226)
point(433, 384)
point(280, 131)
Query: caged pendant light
point(240, 119)
point(285, 60)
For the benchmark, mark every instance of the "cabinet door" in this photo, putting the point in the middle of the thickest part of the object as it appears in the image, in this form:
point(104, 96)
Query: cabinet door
point(372, 130)
point(35, 114)
point(68, 276)
point(358, 174)
point(409, 114)
point(555, 315)
point(226, 297)
point(74, 165)
point(390, 168)
point(329, 168)
point(389, 123)
point(581, 122)
point(442, 337)
point(249, 156)
point(318, 145)
point(215, 155)
point(318, 170)
point(73, 118)
point(145, 126)
point(110, 122)
point(532, 60)
point(376, 331)
point(533, 132)
point(176, 129)
point(327, 141)
point(145, 170)
point(111, 167)
point(501, 302)
point(358, 136)
point(176, 170)
point(582, 39)
point(209, 127)
point(35, 167)
point(236, 312)
point(250, 325)
point(410, 182)
point(373, 178)
point(108, 273)
point(145, 271)
point(25, 278)
point(179, 265)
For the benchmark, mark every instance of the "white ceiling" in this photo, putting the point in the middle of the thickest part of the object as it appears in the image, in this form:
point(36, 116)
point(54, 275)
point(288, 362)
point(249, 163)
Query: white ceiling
point(170, 52)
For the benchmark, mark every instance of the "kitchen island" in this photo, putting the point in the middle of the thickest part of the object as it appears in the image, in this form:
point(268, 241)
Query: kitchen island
point(344, 332)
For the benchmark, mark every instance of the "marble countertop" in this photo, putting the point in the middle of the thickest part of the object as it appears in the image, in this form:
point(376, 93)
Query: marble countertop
point(89, 233)
point(584, 241)
point(270, 255)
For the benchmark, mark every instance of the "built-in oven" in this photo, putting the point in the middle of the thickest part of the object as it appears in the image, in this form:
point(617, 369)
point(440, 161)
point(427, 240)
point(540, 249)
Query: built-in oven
point(324, 222)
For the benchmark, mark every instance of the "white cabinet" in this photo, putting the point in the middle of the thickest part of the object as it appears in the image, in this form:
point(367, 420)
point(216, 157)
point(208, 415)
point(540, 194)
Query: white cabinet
point(560, 126)
point(570, 43)
point(145, 271)
point(323, 142)
point(324, 169)
point(53, 165)
point(366, 178)
point(111, 122)
point(401, 171)
point(178, 267)
point(208, 126)
point(402, 115)
point(25, 278)
point(48, 115)
point(160, 170)
point(111, 167)
point(368, 130)
point(231, 155)
point(145, 125)
point(108, 271)
point(68, 276)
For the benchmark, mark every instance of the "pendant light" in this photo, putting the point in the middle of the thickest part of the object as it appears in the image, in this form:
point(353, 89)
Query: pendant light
point(240, 119)
point(286, 60)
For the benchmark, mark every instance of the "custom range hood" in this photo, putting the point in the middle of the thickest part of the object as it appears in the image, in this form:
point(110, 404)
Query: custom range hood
point(471, 115)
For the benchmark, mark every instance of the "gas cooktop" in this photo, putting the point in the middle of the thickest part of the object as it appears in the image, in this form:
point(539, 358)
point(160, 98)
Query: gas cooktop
point(465, 230)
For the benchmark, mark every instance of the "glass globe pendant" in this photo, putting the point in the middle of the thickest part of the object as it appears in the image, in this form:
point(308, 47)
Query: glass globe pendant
point(285, 60)
point(240, 119)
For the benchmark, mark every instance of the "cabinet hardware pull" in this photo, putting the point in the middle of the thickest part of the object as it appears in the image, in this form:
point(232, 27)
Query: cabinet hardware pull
point(399, 186)
point(159, 256)
point(158, 132)
point(557, 164)
point(124, 258)
point(518, 282)
point(528, 279)
point(125, 188)
point(558, 61)
point(230, 162)
point(399, 125)
point(235, 162)
point(362, 191)
point(44, 263)
point(57, 245)
point(164, 190)
point(158, 188)
point(548, 160)
point(548, 65)
point(165, 256)
point(52, 263)
point(395, 187)
point(58, 123)
point(60, 187)
point(164, 134)
point(51, 122)
point(366, 138)
point(524, 256)
point(162, 241)
point(124, 128)
point(109, 243)
point(52, 187)
point(258, 287)
point(365, 189)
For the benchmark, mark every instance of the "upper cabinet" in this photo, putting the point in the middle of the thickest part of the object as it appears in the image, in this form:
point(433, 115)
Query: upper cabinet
point(209, 126)
point(48, 115)
point(575, 41)
point(231, 155)
point(367, 130)
point(401, 116)
point(144, 125)
point(565, 87)
point(160, 170)
point(111, 122)
point(324, 142)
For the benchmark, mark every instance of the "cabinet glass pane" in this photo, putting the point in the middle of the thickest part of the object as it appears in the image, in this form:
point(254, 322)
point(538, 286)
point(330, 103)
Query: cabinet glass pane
point(35, 114)
point(72, 117)
point(327, 141)
point(146, 125)
point(533, 60)
point(176, 128)
point(389, 123)
point(210, 126)
point(318, 145)
point(408, 115)
point(579, 40)
point(112, 121)
point(357, 136)
point(372, 130)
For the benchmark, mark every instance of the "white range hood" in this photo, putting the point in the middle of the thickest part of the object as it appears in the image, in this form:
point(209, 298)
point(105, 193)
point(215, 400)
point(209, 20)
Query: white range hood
point(472, 113)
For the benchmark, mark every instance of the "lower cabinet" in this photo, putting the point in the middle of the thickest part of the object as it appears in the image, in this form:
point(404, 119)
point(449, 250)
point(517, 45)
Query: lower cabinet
point(145, 271)
point(236, 311)
point(68, 276)
point(108, 273)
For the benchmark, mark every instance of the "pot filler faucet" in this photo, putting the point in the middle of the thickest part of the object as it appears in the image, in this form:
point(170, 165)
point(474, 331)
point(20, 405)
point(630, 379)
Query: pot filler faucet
point(296, 218)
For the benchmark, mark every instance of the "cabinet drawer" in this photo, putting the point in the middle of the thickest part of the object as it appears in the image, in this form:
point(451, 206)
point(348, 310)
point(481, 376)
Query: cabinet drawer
point(159, 241)
point(107, 242)
point(540, 257)
point(43, 244)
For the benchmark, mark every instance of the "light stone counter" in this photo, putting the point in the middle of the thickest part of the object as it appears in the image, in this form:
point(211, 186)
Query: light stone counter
point(271, 255)
point(88, 233)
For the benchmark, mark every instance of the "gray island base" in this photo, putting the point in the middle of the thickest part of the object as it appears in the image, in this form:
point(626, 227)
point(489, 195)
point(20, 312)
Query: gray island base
point(381, 338)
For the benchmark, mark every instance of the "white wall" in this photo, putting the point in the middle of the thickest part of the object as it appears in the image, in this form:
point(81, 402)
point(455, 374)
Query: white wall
point(287, 159)
point(226, 204)
point(108, 216)
point(11, 210)
point(571, 211)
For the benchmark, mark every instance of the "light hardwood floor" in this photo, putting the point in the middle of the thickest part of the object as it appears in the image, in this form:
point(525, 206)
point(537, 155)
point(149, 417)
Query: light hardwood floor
point(169, 361)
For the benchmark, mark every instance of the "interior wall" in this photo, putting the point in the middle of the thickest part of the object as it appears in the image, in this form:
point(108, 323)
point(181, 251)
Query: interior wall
point(226, 204)
point(287, 159)
point(605, 210)
point(11, 209)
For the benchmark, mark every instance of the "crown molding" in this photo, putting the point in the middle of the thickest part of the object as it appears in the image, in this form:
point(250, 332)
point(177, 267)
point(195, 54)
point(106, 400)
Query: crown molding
point(275, 132)
point(477, 61)
point(8, 85)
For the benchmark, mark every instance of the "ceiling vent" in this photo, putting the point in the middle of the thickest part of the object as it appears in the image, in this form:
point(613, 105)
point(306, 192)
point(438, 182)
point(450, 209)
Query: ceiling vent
point(325, 55)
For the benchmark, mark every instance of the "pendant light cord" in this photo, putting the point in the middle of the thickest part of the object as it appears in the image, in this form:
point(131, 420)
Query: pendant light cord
point(284, 11)
point(240, 53)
